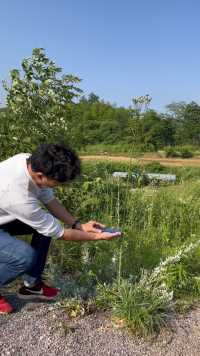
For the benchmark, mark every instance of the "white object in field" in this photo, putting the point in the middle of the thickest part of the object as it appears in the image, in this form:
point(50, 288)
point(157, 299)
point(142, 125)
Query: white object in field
point(120, 174)
point(150, 176)
point(162, 177)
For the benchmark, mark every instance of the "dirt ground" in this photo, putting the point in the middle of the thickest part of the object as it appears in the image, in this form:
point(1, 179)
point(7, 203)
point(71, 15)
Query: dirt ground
point(192, 162)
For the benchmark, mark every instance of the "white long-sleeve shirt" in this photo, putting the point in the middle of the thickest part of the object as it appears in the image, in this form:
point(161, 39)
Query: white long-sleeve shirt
point(21, 198)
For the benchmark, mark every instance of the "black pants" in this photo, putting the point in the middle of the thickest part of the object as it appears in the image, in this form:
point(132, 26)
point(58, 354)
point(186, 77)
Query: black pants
point(39, 243)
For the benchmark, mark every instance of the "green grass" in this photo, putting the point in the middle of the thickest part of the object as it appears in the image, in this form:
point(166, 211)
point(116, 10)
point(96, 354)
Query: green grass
point(156, 222)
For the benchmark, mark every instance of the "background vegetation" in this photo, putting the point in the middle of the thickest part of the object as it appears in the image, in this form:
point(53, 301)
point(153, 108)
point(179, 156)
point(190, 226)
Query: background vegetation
point(43, 102)
point(154, 268)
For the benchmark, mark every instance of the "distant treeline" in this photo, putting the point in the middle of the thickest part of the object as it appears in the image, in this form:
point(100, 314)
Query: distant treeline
point(94, 121)
point(42, 104)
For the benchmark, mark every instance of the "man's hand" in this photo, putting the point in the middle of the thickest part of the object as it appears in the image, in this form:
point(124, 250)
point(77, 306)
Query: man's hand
point(92, 226)
point(107, 235)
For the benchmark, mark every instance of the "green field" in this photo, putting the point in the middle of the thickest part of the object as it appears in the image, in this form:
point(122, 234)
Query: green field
point(158, 222)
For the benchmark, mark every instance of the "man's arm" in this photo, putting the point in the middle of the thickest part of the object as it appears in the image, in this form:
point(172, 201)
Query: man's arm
point(44, 222)
point(77, 235)
point(61, 213)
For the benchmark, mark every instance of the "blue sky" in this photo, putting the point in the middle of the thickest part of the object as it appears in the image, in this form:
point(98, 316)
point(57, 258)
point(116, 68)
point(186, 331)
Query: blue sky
point(120, 49)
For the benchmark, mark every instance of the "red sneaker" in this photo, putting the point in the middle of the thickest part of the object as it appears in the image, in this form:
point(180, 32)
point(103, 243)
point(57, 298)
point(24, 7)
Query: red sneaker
point(39, 291)
point(5, 307)
point(47, 289)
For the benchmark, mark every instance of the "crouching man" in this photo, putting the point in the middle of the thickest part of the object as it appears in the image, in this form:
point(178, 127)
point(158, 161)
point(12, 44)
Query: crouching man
point(26, 182)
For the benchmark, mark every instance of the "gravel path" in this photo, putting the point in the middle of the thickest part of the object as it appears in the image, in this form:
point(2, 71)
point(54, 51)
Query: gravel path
point(36, 329)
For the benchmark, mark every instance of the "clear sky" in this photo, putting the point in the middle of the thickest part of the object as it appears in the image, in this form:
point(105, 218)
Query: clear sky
point(120, 49)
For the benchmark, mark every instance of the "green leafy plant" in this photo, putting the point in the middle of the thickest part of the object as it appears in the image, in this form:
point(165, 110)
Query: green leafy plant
point(38, 100)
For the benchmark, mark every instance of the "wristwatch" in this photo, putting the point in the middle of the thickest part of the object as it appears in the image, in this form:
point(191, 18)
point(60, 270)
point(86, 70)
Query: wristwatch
point(74, 224)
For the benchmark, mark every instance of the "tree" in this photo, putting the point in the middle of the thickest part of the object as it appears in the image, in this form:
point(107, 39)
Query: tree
point(93, 98)
point(38, 100)
point(158, 132)
point(176, 113)
point(176, 110)
point(191, 124)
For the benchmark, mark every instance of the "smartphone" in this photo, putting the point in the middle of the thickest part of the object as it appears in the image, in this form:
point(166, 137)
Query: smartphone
point(110, 229)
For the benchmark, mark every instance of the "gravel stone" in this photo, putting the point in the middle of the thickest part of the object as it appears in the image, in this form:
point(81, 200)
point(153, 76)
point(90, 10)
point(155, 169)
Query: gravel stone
point(36, 329)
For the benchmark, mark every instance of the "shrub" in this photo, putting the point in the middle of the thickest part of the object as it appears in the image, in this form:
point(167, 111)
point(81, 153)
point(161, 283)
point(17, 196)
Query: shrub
point(183, 152)
point(155, 167)
point(172, 152)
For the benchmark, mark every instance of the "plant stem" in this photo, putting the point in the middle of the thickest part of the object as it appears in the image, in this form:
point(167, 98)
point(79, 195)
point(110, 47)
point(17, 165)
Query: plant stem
point(120, 249)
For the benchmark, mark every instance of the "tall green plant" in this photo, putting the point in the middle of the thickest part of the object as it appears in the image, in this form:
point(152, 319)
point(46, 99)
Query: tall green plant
point(38, 100)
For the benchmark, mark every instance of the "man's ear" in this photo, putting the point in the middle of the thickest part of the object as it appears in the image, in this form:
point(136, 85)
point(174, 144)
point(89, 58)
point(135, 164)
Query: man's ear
point(40, 176)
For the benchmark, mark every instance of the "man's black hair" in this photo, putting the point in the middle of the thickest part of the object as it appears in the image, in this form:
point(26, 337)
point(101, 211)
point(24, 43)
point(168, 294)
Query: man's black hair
point(56, 161)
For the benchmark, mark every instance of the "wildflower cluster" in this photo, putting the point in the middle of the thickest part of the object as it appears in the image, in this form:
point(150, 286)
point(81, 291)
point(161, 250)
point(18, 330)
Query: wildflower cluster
point(155, 280)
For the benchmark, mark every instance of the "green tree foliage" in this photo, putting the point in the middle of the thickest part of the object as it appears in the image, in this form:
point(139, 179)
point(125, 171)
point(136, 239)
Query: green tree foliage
point(157, 131)
point(38, 100)
point(95, 121)
point(176, 110)
point(191, 123)
point(186, 122)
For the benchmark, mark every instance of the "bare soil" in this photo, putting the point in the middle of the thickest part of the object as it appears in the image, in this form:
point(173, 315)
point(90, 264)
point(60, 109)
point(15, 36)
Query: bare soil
point(173, 162)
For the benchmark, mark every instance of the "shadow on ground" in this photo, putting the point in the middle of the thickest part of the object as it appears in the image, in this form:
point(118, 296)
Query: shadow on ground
point(18, 304)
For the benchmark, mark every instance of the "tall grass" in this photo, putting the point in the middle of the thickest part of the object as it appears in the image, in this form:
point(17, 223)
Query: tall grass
point(156, 224)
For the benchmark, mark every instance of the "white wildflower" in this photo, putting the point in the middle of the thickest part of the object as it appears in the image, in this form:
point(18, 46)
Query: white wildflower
point(114, 259)
point(151, 281)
